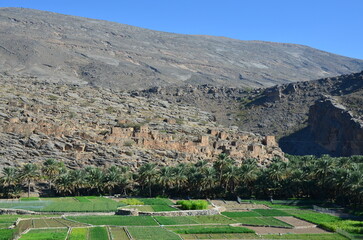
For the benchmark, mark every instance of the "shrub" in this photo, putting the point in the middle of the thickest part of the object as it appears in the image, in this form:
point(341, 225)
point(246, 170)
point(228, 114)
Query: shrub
point(193, 204)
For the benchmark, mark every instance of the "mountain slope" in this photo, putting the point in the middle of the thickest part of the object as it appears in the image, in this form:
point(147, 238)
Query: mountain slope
point(77, 50)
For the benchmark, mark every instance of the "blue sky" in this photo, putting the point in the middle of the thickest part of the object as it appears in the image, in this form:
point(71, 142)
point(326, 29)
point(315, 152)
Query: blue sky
point(331, 25)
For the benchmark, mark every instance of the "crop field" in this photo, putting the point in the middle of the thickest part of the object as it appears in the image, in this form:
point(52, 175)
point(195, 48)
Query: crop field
point(6, 234)
point(328, 236)
point(152, 233)
point(152, 208)
point(209, 229)
point(70, 204)
point(116, 220)
point(78, 234)
point(118, 233)
point(212, 219)
point(45, 234)
point(98, 233)
point(175, 220)
point(156, 201)
point(271, 212)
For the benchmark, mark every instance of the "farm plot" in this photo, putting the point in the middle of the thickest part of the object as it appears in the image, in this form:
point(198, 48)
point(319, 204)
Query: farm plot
point(271, 212)
point(262, 221)
point(175, 220)
point(209, 229)
point(241, 214)
point(151, 233)
point(7, 220)
point(6, 234)
point(236, 207)
point(116, 220)
point(45, 234)
point(78, 234)
point(329, 236)
point(118, 233)
point(98, 233)
point(212, 219)
point(156, 201)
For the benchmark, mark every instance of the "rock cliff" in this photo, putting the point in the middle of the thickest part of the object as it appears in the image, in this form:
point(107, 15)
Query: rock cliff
point(335, 128)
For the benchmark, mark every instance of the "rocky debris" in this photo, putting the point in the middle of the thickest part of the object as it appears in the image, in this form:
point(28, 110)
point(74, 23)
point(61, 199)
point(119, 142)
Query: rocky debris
point(75, 50)
point(86, 125)
point(335, 129)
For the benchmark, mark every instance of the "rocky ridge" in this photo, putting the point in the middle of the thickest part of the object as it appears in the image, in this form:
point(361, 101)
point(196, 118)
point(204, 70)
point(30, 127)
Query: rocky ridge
point(83, 125)
point(59, 48)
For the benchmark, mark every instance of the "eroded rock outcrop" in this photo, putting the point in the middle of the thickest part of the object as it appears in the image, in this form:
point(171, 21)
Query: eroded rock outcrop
point(335, 128)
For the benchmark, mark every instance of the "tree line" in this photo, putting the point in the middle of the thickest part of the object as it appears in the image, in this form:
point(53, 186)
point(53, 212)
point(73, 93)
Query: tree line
point(325, 178)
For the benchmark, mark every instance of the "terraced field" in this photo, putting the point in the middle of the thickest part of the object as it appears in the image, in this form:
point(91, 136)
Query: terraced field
point(267, 223)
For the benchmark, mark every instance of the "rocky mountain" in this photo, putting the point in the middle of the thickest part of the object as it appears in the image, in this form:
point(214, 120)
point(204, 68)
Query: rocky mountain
point(84, 125)
point(282, 110)
point(68, 49)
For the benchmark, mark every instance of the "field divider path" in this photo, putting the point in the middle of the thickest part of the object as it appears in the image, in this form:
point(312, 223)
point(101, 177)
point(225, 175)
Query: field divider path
point(109, 233)
point(128, 233)
point(68, 233)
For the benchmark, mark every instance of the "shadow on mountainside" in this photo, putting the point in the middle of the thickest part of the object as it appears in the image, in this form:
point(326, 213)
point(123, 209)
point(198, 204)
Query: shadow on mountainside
point(302, 143)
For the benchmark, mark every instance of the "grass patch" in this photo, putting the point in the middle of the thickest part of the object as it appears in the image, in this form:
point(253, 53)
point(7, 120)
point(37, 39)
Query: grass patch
point(143, 208)
point(241, 214)
point(192, 204)
point(6, 234)
point(132, 201)
point(174, 220)
point(78, 234)
point(209, 229)
point(116, 220)
point(29, 199)
point(156, 201)
point(163, 208)
point(332, 223)
point(119, 233)
point(212, 219)
point(45, 234)
point(327, 236)
point(271, 212)
point(98, 233)
point(152, 233)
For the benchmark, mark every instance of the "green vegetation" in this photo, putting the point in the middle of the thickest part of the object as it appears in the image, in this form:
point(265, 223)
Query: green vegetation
point(118, 233)
point(241, 214)
point(212, 219)
point(6, 234)
point(163, 208)
point(45, 234)
point(78, 234)
point(332, 223)
point(211, 229)
point(175, 220)
point(98, 233)
point(115, 220)
point(336, 180)
point(328, 236)
point(152, 233)
point(271, 212)
point(193, 204)
point(132, 201)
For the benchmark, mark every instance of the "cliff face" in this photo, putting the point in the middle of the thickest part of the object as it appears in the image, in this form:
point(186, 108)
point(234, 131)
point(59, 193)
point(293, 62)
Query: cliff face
point(335, 128)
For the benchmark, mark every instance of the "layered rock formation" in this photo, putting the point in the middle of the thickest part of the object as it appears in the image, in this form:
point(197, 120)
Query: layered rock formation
point(83, 125)
point(335, 128)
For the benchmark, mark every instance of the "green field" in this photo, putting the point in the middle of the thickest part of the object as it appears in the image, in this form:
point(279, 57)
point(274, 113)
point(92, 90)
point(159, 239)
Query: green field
point(116, 220)
point(118, 233)
point(328, 236)
point(241, 214)
point(209, 229)
point(6, 234)
point(156, 201)
point(152, 233)
point(70, 204)
point(194, 220)
point(152, 208)
point(271, 212)
point(98, 233)
point(175, 220)
point(45, 234)
point(78, 234)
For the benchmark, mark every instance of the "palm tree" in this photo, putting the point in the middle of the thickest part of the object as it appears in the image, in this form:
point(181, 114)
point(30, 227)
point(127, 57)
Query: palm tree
point(248, 175)
point(166, 178)
point(64, 184)
point(147, 175)
point(180, 177)
point(78, 180)
point(51, 170)
point(112, 178)
point(223, 161)
point(29, 173)
point(230, 178)
point(95, 178)
point(9, 178)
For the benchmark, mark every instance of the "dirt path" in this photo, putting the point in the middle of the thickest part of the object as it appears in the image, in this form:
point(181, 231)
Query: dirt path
point(272, 230)
point(297, 223)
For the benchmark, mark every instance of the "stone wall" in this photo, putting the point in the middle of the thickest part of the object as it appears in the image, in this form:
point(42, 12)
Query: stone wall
point(6, 211)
